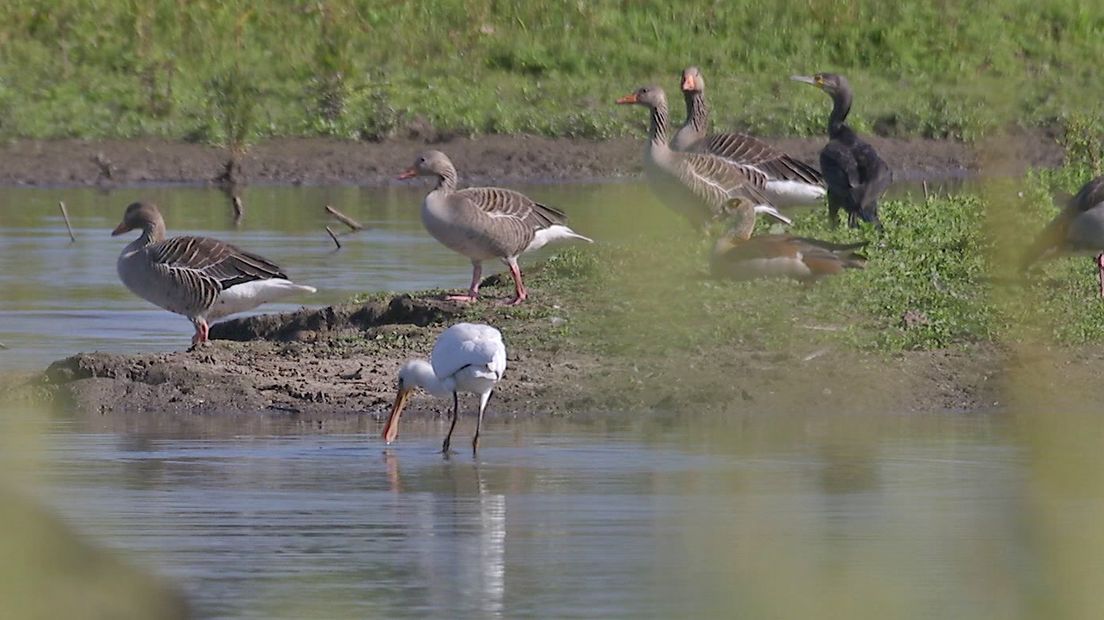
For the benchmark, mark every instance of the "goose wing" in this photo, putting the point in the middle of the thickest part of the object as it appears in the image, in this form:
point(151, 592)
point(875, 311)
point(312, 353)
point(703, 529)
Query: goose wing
point(210, 259)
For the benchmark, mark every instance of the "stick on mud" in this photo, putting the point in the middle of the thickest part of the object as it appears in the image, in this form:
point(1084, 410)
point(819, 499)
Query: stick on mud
point(344, 219)
point(334, 237)
point(68, 226)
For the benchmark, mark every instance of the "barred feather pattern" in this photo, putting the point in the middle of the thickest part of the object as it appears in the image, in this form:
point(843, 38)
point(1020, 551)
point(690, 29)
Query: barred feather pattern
point(739, 148)
point(698, 185)
point(485, 222)
point(189, 273)
point(1055, 238)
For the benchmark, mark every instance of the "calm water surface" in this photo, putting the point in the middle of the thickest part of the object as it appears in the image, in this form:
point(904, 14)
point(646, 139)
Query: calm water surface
point(60, 297)
point(645, 520)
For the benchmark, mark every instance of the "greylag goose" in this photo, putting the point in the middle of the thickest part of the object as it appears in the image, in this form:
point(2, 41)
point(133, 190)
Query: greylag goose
point(1078, 229)
point(790, 181)
point(856, 176)
point(467, 357)
point(697, 185)
point(485, 222)
point(201, 278)
point(739, 256)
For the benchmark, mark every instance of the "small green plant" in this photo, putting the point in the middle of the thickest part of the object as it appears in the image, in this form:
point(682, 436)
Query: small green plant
point(233, 99)
point(1081, 136)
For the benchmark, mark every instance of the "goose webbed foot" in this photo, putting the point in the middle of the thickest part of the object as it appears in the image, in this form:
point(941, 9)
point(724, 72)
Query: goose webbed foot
point(464, 298)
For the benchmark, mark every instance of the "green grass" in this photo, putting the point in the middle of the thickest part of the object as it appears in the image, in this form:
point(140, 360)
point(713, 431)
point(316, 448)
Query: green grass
point(945, 274)
point(367, 69)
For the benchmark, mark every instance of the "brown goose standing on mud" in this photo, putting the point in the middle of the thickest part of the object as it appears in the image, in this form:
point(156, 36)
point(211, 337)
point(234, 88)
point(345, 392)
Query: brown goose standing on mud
point(856, 176)
point(1078, 229)
point(485, 222)
point(697, 185)
point(739, 256)
point(201, 278)
point(790, 181)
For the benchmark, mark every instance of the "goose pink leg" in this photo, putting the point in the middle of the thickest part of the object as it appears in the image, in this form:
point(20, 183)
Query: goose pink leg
point(1100, 268)
point(201, 332)
point(473, 290)
point(520, 294)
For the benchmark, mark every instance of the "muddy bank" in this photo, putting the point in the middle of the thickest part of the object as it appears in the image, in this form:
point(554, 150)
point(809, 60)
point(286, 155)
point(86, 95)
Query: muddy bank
point(501, 158)
point(340, 363)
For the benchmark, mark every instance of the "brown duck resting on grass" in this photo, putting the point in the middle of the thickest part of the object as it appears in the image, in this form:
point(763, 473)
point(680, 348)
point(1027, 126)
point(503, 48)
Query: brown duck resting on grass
point(199, 277)
point(483, 223)
point(738, 255)
point(699, 186)
point(856, 176)
point(789, 181)
point(1077, 230)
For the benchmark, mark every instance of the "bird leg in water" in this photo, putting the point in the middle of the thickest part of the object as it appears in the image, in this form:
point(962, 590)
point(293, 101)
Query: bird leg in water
point(483, 398)
point(473, 290)
point(519, 287)
point(455, 414)
point(1100, 267)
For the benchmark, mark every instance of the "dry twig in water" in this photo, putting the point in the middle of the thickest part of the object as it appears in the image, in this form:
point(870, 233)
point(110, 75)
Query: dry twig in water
point(344, 219)
point(65, 216)
point(334, 237)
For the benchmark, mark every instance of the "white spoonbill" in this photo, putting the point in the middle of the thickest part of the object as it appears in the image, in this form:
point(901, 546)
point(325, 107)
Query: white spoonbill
point(199, 277)
point(467, 357)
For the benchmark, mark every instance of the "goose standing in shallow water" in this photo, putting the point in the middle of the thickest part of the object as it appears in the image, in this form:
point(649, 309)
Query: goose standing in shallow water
point(467, 357)
point(739, 256)
point(1078, 229)
point(697, 185)
point(856, 176)
point(485, 222)
point(201, 278)
point(790, 181)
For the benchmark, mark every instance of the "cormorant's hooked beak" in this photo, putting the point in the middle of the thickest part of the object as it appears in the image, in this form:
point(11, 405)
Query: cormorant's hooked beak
point(391, 429)
point(773, 212)
point(627, 99)
point(409, 173)
point(807, 79)
point(120, 229)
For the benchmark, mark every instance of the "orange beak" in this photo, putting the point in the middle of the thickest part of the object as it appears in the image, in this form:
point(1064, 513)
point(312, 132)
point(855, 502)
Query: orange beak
point(409, 173)
point(120, 229)
point(391, 429)
point(688, 82)
point(627, 99)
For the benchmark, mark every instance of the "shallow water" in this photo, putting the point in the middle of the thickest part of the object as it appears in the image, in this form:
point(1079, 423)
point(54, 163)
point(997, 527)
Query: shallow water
point(763, 517)
point(61, 297)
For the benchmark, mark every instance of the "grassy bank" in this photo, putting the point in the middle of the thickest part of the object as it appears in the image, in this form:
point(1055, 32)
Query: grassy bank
point(945, 274)
point(235, 71)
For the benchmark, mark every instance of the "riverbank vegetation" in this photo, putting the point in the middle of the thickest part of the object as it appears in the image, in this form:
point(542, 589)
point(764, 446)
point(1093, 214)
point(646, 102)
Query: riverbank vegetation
point(946, 273)
point(231, 72)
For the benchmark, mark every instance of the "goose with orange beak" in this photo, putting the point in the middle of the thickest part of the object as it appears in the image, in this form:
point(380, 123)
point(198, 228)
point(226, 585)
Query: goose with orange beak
point(484, 223)
point(790, 181)
point(699, 186)
point(467, 357)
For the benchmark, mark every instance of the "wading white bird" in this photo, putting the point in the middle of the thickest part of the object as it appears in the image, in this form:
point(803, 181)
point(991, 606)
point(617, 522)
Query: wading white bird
point(485, 222)
point(199, 277)
point(467, 357)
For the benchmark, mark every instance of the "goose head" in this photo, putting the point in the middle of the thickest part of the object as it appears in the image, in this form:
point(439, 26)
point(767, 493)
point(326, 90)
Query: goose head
point(649, 96)
point(428, 164)
point(692, 80)
point(140, 216)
